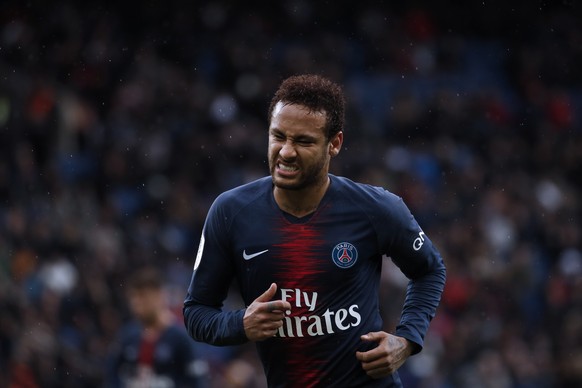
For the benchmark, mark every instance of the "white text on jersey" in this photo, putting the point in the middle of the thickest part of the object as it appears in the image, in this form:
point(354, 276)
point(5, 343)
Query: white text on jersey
point(315, 325)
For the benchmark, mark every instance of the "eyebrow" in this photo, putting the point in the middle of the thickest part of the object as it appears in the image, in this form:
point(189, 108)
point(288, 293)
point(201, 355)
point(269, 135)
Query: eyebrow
point(302, 137)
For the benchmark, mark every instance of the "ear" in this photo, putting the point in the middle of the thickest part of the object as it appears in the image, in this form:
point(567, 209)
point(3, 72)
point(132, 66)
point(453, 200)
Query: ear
point(335, 145)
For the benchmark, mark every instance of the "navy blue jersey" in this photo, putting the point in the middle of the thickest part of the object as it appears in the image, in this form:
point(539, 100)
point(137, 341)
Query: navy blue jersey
point(169, 361)
point(327, 265)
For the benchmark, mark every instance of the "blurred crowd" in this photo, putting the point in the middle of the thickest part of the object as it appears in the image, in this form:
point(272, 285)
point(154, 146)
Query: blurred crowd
point(120, 123)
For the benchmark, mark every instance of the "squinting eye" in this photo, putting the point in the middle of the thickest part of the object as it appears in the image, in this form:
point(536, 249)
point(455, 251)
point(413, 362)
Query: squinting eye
point(305, 142)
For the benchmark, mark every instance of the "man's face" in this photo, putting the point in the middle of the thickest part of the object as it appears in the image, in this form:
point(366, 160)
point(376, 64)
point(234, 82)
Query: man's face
point(299, 151)
point(145, 304)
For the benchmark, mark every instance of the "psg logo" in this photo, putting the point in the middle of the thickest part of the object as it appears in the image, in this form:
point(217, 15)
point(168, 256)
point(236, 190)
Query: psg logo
point(344, 255)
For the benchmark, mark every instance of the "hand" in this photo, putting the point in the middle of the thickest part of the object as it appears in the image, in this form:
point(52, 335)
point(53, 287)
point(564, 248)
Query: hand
point(387, 357)
point(264, 316)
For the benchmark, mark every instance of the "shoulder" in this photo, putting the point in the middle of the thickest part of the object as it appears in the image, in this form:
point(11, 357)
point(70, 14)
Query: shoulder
point(364, 193)
point(375, 201)
point(236, 202)
point(242, 195)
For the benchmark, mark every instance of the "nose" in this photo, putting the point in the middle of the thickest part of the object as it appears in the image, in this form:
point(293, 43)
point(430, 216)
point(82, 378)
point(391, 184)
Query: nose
point(288, 151)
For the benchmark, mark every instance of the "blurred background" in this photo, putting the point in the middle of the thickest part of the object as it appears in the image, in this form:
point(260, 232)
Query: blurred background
point(121, 122)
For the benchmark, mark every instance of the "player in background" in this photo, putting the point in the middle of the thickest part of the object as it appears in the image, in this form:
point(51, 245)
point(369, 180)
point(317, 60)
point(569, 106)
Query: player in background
point(153, 349)
point(306, 249)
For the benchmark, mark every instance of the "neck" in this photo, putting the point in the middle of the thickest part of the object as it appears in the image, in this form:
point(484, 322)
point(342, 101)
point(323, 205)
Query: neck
point(300, 203)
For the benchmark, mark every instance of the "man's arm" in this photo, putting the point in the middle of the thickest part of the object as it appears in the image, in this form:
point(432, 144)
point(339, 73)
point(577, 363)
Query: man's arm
point(211, 280)
point(212, 325)
point(258, 322)
point(422, 299)
point(416, 256)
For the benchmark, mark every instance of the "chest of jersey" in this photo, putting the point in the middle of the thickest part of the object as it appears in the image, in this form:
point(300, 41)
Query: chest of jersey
point(316, 262)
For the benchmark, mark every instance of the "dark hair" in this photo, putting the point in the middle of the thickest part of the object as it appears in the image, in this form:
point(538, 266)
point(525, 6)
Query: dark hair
point(316, 93)
point(145, 278)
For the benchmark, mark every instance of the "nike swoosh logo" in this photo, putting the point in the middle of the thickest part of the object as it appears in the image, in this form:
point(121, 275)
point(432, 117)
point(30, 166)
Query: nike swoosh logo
point(247, 256)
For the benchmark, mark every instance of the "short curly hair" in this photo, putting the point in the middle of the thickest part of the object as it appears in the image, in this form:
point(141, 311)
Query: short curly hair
point(316, 93)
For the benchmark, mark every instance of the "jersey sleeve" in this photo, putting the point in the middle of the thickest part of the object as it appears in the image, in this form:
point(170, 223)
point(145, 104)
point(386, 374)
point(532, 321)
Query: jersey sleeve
point(211, 279)
point(416, 256)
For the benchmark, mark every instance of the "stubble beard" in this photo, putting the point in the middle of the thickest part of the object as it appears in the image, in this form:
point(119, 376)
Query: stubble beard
point(307, 178)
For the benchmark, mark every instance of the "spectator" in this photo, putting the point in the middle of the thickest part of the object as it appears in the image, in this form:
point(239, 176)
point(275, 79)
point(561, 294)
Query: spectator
point(153, 349)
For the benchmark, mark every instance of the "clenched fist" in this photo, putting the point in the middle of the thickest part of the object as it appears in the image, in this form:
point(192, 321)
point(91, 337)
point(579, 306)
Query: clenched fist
point(264, 316)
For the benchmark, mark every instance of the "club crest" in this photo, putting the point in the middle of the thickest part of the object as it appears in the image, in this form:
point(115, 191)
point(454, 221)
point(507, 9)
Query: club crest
point(344, 255)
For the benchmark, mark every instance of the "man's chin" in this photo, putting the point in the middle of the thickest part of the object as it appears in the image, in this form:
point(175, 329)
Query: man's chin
point(287, 184)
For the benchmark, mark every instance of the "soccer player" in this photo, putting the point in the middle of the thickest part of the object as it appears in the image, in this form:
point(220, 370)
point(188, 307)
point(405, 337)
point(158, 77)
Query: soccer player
point(152, 350)
point(306, 249)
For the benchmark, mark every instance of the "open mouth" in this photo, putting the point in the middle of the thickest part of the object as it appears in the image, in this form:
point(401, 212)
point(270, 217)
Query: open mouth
point(285, 169)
